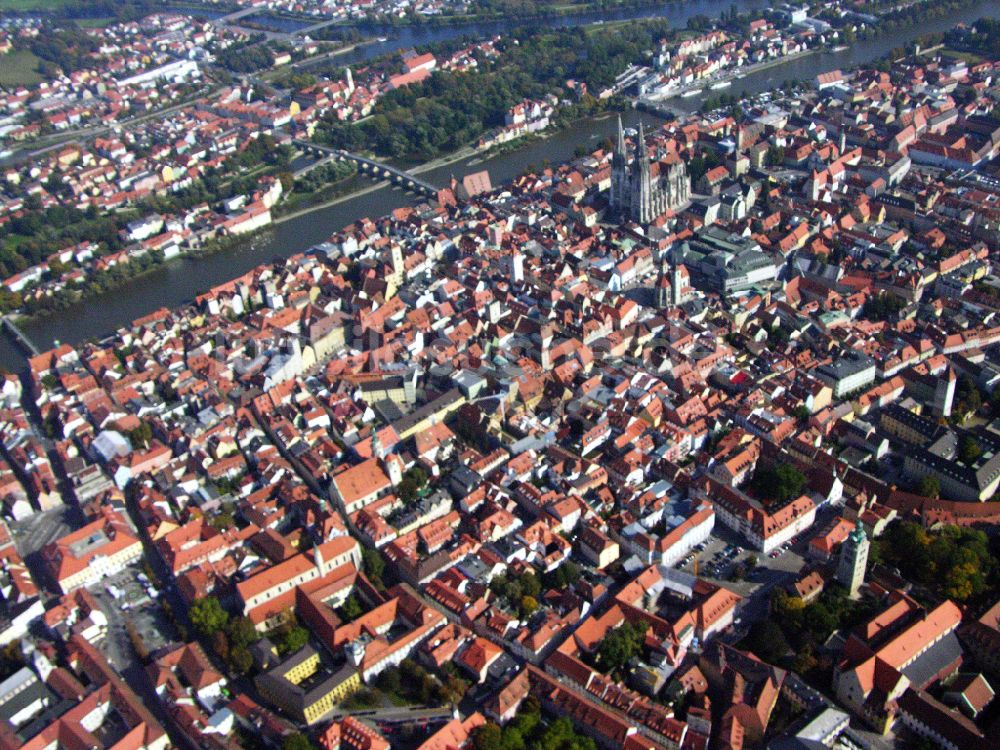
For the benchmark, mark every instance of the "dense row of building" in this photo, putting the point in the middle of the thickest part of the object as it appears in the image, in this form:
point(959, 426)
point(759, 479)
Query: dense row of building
point(484, 436)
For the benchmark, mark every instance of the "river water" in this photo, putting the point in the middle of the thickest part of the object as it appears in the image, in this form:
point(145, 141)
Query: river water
point(402, 37)
point(180, 280)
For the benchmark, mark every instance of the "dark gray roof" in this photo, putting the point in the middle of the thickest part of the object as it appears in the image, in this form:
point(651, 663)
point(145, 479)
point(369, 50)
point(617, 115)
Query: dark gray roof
point(33, 690)
point(926, 667)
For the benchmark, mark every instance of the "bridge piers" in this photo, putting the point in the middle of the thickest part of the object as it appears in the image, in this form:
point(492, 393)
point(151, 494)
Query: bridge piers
point(375, 168)
point(20, 337)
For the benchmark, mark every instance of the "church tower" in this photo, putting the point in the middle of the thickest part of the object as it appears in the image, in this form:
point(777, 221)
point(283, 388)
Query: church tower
point(635, 194)
point(620, 183)
point(675, 280)
point(663, 292)
point(853, 560)
point(394, 469)
point(517, 266)
point(642, 189)
point(398, 266)
point(318, 560)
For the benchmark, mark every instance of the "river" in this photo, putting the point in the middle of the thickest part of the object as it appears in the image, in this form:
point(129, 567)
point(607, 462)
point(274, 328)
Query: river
point(178, 281)
point(402, 37)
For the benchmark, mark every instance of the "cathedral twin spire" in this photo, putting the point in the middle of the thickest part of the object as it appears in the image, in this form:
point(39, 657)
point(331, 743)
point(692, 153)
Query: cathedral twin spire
point(635, 195)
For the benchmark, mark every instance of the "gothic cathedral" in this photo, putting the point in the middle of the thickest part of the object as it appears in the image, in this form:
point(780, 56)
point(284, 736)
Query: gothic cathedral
point(635, 195)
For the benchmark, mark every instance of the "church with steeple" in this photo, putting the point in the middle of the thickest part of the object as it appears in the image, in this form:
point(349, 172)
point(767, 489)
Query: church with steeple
point(636, 194)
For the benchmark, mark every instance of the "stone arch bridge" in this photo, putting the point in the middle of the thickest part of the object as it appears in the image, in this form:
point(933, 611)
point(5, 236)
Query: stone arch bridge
point(376, 169)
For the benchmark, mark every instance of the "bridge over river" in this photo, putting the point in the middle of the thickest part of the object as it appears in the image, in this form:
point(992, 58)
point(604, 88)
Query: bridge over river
point(374, 168)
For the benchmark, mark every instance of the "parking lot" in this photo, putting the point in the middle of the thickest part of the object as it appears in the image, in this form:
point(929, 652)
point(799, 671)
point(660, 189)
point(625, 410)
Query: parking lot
point(133, 604)
point(721, 554)
point(718, 558)
point(34, 532)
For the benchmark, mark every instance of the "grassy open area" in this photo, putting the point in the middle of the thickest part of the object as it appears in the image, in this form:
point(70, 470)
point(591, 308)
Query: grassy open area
point(970, 58)
point(601, 28)
point(19, 68)
point(25, 5)
point(93, 23)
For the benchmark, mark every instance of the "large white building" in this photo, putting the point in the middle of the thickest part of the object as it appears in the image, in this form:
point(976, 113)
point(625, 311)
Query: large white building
point(682, 535)
point(101, 548)
point(262, 593)
point(847, 373)
point(762, 529)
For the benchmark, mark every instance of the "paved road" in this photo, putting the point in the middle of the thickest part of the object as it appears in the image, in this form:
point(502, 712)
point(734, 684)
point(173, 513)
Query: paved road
point(310, 167)
point(134, 606)
point(230, 22)
point(34, 532)
point(235, 16)
point(398, 714)
point(98, 130)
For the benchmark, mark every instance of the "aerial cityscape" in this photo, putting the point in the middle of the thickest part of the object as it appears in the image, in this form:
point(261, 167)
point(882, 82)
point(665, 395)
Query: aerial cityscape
point(499, 375)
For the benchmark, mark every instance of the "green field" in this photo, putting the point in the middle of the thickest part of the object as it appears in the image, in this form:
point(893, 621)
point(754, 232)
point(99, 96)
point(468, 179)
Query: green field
point(18, 68)
point(93, 23)
point(23, 5)
point(970, 58)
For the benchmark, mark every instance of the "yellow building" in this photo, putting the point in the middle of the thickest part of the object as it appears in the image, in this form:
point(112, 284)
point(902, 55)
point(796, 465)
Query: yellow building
point(908, 426)
point(304, 688)
point(430, 413)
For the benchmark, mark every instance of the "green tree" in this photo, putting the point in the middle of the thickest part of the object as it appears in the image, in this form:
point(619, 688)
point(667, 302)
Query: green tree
point(805, 660)
point(224, 519)
point(559, 735)
point(969, 450)
point(452, 690)
point(488, 737)
point(220, 644)
point(513, 739)
point(775, 156)
point(531, 585)
point(528, 605)
point(208, 616)
point(951, 561)
point(418, 475)
point(297, 741)
point(882, 307)
point(242, 632)
point(141, 435)
point(294, 639)
point(562, 577)
point(780, 483)
point(407, 490)
point(968, 397)
point(240, 660)
point(767, 641)
point(11, 659)
point(351, 609)
point(820, 621)
point(929, 486)
point(389, 680)
point(529, 715)
point(620, 645)
point(374, 565)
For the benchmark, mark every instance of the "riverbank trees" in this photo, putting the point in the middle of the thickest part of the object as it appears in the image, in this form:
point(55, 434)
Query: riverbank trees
point(449, 110)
